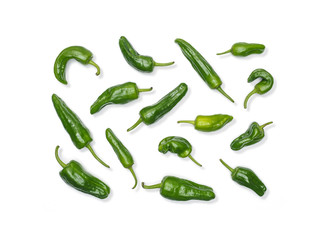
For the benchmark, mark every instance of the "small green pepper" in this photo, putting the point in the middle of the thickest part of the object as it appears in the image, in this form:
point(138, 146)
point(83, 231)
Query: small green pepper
point(177, 145)
point(243, 49)
point(263, 86)
point(118, 94)
point(246, 177)
point(209, 123)
point(179, 189)
point(78, 53)
point(139, 62)
point(77, 177)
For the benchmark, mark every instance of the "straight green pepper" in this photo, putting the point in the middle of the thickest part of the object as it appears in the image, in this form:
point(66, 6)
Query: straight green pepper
point(242, 49)
point(209, 123)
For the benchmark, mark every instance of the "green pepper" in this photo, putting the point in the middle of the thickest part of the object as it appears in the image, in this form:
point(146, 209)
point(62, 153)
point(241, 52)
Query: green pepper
point(77, 177)
point(118, 94)
point(122, 152)
point(179, 189)
point(78, 53)
point(246, 177)
point(177, 145)
point(263, 86)
point(139, 62)
point(151, 114)
point(202, 67)
point(78, 132)
point(209, 123)
point(242, 49)
point(253, 135)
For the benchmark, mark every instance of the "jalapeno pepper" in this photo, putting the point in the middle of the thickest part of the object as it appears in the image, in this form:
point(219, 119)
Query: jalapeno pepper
point(242, 49)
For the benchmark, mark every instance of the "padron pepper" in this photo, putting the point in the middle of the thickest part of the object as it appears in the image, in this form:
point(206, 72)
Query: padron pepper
point(209, 123)
point(263, 86)
point(179, 189)
point(202, 67)
point(118, 94)
point(78, 132)
point(78, 53)
point(139, 62)
point(246, 177)
point(243, 49)
point(151, 114)
point(177, 145)
point(253, 135)
point(77, 177)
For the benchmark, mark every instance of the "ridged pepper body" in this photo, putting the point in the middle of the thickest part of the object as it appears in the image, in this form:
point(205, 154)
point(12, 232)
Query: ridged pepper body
point(175, 144)
point(209, 123)
point(243, 49)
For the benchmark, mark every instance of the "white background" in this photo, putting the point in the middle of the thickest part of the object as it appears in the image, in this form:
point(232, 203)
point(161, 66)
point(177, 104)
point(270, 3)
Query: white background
point(292, 160)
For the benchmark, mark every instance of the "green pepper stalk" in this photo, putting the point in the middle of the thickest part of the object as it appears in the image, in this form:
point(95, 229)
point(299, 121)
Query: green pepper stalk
point(78, 53)
point(77, 177)
point(179, 189)
point(242, 49)
point(246, 177)
point(177, 145)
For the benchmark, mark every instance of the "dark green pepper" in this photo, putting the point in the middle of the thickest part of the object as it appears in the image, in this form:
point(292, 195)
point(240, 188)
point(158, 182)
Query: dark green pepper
point(78, 53)
point(118, 94)
point(202, 67)
point(122, 152)
point(246, 177)
point(263, 86)
point(177, 145)
point(253, 135)
point(78, 132)
point(77, 177)
point(139, 62)
point(179, 189)
point(209, 123)
point(151, 114)
point(242, 49)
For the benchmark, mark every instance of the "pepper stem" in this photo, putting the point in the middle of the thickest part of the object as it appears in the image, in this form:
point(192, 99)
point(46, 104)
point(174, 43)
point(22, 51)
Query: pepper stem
point(227, 166)
point(225, 94)
point(95, 156)
point(163, 64)
point(134, 175)
point(265, 124)
point(96, 66)
point(247, 98)
point(151, 186)
point(194, 161)
point(135, 125)
point(224, 52)
point(145, 89)
point(58, 159)
point(186, 121)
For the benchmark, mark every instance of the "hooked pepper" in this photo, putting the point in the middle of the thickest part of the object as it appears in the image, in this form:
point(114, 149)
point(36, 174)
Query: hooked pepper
point(139, 62)
point(177, 145)
point(179, 189)
point(246, 177)
point(209, 123)
point(243, 49)
point(78, 53)
point(77, 177)
point(118, 94)
point(78, 132)
point(202, 67)
point(151, 114)
point(263, 86)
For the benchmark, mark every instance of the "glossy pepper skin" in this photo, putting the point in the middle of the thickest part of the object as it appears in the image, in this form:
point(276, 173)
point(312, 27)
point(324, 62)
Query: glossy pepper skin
point(177, 145)
point(77, 177)
point(78, 53)
point(118, 94)
point(122, 152)
point(243, 49)
point(179, 189)
point(78, 132)
point(202, 67)
point(246, 177)
point(151, 114)
point(209, 123)
point(139, 62)
point(263, 86)
point(254, 134)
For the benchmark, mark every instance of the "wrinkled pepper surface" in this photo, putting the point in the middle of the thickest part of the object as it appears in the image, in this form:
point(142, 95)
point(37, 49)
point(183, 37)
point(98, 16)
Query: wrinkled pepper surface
point(209, 123)
point(242, 49)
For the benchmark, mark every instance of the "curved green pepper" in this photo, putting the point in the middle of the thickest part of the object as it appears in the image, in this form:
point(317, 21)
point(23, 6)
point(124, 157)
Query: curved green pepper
point(77, 177)
point(209, 123)
point(151, 114)
point(246, 177)
point(243, 49)
point(122, 152)
point(78, 132)
point(139, 62)
point(179, 189)
point(202, 67)
point(118, 94)
point(78, 53)
point(253, 135)
point(177, 145)
point(263, 86)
